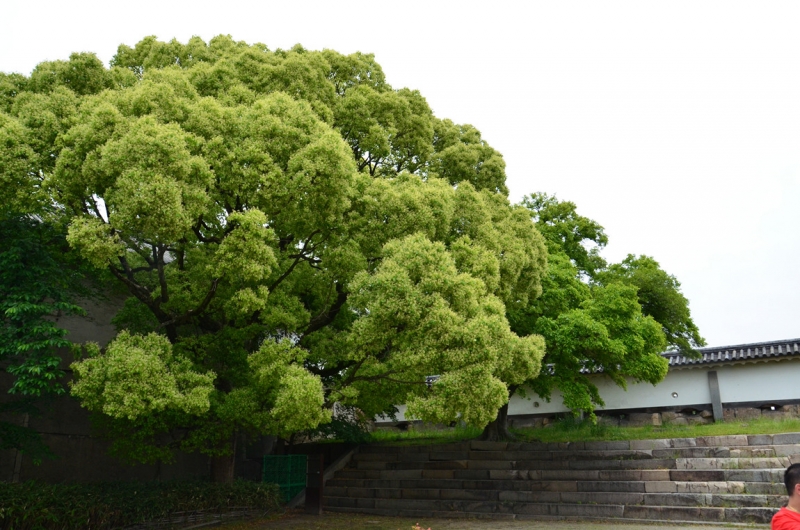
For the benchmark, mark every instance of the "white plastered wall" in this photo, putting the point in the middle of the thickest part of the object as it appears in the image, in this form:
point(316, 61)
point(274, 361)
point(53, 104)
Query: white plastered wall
point(761, 382)
point(776, 380)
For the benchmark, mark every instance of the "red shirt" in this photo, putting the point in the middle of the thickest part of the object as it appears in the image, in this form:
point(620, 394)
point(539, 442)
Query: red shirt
point(786, 519)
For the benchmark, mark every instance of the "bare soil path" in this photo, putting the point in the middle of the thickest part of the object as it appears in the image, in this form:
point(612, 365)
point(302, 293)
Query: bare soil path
point(340, 521)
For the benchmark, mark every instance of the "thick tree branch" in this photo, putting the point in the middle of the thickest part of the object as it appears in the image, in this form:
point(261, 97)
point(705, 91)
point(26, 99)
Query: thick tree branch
point(385, 377)
point(143, 295)
point(197, 310)
point(133, 245)
point(126, 268)
point(142, 269)
point(353, 371)
point(284, 242)
point(329, 315)
point(329, 371)
point(204, 239)
point(162, 278)
point(201, 224)
point(302, 255)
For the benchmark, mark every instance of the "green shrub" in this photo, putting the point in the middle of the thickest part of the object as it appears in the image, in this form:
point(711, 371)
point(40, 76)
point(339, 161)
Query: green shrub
point(37, 506)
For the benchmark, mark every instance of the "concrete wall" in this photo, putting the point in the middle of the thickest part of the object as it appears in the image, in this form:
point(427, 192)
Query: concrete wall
point(81, 455)
point(747, 383)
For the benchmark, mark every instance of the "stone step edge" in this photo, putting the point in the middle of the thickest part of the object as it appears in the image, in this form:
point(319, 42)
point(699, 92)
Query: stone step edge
point(563, 503)
point(677, 483)
point(587, 466)
point(782, 461)
point(645, 496)
point(739, 440)
point(421, 514)
point(475, 490)
point(509, 474)
point(779, 451)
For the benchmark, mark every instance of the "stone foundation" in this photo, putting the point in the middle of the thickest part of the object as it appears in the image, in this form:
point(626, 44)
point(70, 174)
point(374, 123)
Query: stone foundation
point(686, 416)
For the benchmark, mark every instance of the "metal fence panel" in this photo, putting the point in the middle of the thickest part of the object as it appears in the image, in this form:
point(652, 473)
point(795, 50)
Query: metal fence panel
point(287, 471)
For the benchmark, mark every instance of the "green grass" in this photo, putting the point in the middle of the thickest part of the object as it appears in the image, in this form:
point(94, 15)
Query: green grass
point(569, 430)
point(425, 436)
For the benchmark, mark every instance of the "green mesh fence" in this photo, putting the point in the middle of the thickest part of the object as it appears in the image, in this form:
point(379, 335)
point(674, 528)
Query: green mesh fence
point(288, 472)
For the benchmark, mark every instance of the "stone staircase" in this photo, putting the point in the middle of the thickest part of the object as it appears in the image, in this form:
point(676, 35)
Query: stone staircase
point(720, 479)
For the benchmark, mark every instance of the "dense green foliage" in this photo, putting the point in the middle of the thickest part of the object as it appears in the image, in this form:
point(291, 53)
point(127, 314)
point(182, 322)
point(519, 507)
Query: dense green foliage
point(37, 506)
point(36, 282)
point(568, 233)
point(292, 230)
point(660, 296)
point(39, 281)
point(599, 318)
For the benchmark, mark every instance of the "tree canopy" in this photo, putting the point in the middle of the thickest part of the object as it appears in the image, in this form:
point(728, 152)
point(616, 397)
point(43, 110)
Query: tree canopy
point(597, 318)
point(660, 296)
point(292, 231)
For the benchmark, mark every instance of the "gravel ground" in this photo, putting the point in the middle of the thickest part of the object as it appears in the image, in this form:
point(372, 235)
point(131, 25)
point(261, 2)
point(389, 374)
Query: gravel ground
point(336, 521)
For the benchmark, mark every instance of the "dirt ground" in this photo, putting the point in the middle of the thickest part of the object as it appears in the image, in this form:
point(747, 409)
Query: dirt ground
point(337, 521)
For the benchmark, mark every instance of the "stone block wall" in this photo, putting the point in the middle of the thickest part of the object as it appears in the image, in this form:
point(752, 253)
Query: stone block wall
point(687, 416)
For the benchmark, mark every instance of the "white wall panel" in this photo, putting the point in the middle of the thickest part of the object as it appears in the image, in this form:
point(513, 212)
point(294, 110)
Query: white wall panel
point(777, 380)
point(769, 381)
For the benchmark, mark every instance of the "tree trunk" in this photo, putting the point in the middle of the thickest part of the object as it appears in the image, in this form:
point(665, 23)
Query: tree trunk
point(222, 467)
point(497, 431)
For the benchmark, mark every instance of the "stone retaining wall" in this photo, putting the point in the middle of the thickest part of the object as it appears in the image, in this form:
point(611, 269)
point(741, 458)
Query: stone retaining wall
point(684, 416)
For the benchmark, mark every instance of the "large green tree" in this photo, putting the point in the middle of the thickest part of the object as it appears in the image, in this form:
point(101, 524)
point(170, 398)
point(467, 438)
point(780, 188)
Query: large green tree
point(293, 232)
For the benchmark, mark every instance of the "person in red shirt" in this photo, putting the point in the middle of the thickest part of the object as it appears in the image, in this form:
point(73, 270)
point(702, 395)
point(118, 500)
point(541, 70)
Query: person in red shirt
point(788, 517)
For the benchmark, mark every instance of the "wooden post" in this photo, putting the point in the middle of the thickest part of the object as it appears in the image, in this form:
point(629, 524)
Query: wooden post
point(314, 482)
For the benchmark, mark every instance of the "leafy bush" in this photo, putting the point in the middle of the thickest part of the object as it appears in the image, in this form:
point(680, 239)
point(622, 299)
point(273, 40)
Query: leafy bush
point(339, 430)
point(348, 425)
point(34, 505)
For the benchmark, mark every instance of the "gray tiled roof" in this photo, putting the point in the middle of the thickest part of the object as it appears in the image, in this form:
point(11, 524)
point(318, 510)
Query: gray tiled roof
point(756, 351)
point(742, 352)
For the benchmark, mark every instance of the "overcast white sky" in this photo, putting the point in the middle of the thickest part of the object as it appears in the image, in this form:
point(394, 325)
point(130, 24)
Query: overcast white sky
point(676, 125)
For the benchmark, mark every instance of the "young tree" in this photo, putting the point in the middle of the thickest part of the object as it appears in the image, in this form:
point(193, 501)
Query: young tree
point(39, 279)
point(597, 319)
point(292, 231)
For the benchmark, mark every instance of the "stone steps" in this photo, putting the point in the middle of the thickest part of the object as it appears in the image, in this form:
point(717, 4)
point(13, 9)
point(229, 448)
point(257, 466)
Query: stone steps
point(731, 479)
